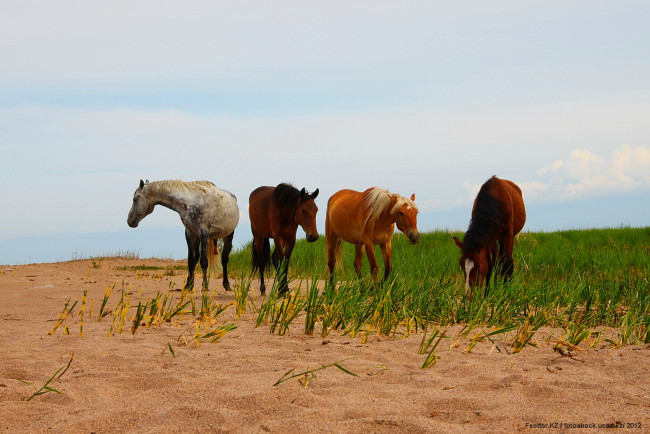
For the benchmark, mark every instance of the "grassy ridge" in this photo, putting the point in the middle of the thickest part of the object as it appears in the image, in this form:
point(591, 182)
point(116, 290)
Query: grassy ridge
point(609, 253)
point(571, 279)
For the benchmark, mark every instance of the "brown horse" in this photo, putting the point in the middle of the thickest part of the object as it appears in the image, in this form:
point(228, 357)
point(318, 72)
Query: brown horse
point(365, 219)
point(276, 212)
point(497, 216)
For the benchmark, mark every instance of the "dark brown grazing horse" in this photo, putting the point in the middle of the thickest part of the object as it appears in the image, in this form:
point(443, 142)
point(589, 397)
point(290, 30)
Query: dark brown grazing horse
point(276, 212)
point(497, 216)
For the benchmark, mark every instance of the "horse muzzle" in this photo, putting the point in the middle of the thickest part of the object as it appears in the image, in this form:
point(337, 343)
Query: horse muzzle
point(312, 237)
point(414, 237)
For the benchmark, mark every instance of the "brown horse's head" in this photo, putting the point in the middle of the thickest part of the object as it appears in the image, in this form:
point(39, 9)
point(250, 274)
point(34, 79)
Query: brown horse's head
point(474, 265)
point(306, 214)
point(406, 217)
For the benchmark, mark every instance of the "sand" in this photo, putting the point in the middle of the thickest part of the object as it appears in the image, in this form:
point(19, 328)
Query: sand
point(127, 383)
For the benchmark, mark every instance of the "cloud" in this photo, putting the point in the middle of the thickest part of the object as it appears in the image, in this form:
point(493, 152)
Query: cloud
point(586, 174)
point(583, 174)
point(82, 164)
point(532, 187)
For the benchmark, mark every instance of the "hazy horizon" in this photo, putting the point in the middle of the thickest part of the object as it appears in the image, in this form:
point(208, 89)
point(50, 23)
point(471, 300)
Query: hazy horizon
point(151, 241)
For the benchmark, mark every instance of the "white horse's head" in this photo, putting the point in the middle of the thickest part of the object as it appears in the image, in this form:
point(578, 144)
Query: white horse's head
point(142, 206)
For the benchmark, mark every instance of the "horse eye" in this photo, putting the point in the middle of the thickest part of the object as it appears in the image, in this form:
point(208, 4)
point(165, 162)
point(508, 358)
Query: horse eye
point(401, 213)
point(303, 211)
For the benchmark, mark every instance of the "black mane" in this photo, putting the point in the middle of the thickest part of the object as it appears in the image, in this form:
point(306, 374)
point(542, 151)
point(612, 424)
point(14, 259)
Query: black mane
point(487, 218)
point(285, 197)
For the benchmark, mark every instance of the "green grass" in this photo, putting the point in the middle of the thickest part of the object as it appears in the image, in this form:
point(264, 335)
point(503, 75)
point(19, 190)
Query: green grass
point(45, 388)
point(587, 277)
point(573, 281)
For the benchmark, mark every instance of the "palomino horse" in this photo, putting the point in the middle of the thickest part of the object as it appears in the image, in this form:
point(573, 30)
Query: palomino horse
point(276, 212)
point(207, 212)
point(365, 219)
point(497, 216)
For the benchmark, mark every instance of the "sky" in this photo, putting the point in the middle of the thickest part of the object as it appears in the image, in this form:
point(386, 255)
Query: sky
point(424, 97)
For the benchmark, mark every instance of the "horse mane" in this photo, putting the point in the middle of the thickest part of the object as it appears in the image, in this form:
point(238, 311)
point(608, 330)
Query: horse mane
point(486, 219)
point(376, 200)
point(285, 197)
point(176, 184)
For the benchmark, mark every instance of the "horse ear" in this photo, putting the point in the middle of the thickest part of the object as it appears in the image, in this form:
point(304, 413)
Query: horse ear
point(303, 195)
point(459, 243)
point(314, 195)
point(141, 184)
point(413, 196)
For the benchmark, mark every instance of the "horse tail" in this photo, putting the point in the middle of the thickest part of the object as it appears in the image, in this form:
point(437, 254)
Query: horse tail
point(337, 253)
point(333, 245)
point(213, 252)
point(263, 261)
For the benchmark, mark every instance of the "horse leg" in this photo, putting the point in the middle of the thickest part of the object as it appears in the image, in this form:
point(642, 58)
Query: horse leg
point(259, 258)
point(359, 250)
point(262, 285)
point(276, 257)
point(374, 268)
point(204, 260)
point(488, 278)
point(386, 253)
point(192, 257)
point(492, 257)
point(284, 266)
point(506, 261)
point(333, 246)
point(507, 267)
point(225, 257)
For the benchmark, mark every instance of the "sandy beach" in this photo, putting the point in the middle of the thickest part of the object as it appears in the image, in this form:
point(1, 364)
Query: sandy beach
point(132, 382)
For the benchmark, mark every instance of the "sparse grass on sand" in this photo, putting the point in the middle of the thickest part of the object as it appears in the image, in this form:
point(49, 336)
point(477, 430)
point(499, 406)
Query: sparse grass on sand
point(572, 280)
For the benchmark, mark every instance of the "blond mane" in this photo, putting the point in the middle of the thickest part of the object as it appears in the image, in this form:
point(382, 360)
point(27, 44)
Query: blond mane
point(377, 200)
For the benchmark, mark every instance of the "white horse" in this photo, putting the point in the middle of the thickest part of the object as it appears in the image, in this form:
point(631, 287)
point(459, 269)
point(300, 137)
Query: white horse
point(207, 212)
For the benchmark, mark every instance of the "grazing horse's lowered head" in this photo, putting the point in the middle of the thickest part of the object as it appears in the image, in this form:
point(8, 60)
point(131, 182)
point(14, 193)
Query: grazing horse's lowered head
point(498, 214)
point(474, 263)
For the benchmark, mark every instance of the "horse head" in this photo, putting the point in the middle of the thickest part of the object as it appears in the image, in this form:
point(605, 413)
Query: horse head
point(306, 214)
point(141, 207)
point(474, 264)
point(406, 216)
